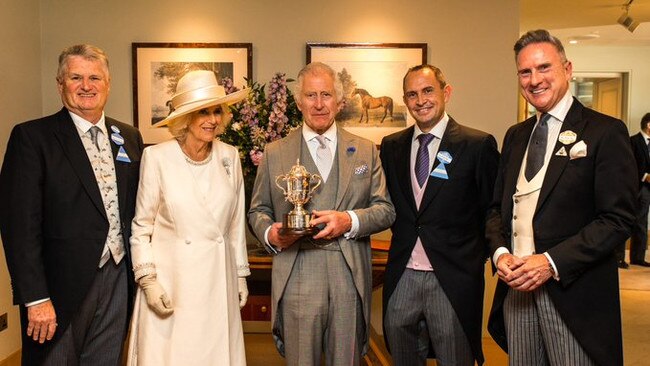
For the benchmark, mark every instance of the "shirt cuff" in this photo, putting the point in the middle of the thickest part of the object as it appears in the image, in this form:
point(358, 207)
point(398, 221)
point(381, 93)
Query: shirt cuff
point(498, 253)
point(556, 274)
point(644, 177)
point(354, 229)
point(270, 247)
point(37, 302)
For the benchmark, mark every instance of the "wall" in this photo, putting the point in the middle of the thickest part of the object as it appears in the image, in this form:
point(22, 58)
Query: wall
point(20, 100)
point(621, 59)
point(470, 40)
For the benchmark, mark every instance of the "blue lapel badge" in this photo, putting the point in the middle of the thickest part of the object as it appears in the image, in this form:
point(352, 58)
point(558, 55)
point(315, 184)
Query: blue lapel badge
point(119, 141)
point(122, 156)
point(440, 171)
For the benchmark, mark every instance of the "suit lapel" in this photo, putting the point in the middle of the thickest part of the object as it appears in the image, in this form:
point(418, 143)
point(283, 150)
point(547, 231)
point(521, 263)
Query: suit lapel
point(452, 144)
point(556, 165)
point(121, 168)
point(73, 149)
point(347, 150)
point(516, 154)
point(402, 161)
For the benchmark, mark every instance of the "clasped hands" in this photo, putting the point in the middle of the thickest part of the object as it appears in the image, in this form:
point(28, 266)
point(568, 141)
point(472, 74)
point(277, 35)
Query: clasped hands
point(524, 274)
point(336, 224)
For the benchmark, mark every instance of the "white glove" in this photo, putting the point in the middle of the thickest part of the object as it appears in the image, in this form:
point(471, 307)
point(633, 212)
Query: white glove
point(157, 298)
point(243, 291)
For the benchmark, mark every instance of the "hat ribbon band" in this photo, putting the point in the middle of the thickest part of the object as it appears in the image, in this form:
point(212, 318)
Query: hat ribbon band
point(197, 95)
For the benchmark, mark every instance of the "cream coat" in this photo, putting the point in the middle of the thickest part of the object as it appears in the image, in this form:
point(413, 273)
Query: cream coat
point(197, 243)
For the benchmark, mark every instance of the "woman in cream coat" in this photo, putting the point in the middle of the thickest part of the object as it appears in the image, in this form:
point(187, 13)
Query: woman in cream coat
point(188, 242)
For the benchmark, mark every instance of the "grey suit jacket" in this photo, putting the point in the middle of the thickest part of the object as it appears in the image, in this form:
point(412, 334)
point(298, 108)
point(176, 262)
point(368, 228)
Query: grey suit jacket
point(361, 190)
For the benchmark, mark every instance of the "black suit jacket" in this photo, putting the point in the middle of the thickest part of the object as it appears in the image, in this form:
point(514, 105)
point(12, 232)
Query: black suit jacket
point(450, 220)
point(641, 156)
point(585, 210)
point(52, 218)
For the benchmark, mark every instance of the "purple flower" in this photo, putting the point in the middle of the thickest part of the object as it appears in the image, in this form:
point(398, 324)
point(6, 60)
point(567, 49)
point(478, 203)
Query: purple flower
point(351, 150)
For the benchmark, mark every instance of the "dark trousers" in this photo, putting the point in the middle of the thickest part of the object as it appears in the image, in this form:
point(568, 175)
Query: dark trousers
point(96, 334)
point(639, 239)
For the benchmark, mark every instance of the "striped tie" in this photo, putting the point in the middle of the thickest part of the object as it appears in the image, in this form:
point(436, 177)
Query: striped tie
point(422, 158)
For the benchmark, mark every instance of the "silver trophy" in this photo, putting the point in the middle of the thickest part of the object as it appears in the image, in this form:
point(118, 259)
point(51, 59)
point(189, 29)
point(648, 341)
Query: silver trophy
point(298, 182)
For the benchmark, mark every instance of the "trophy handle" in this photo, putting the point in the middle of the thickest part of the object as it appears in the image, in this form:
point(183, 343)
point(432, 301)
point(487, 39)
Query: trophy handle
point(281, 177)
point(320, 180)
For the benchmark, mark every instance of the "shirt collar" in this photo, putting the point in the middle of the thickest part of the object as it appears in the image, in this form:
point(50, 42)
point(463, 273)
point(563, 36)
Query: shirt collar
point(84, 125)
point(308, 134)
point(645, 136)
point(561, 109)
point(438, 130)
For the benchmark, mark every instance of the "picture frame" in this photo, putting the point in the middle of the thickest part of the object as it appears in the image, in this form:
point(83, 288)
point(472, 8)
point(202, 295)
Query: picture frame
point(372, 75)
point(158, 66)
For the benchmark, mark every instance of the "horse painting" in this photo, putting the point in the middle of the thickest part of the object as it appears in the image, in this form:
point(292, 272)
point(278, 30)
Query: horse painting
point(370, 102)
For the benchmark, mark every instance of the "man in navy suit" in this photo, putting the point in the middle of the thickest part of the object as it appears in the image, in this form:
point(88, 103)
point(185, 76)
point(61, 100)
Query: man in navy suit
point(564, 200)
point(440, 175)
point(639, 239)
point(68, 187)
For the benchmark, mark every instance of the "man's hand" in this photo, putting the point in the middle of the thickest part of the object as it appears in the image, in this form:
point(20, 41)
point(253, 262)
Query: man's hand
point(336, 223)
point(506, 263)
point(42, 321)
point(534, 272)
point(279, 240)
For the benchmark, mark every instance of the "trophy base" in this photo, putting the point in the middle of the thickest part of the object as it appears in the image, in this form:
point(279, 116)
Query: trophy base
point(297, 224)
point(307, 231)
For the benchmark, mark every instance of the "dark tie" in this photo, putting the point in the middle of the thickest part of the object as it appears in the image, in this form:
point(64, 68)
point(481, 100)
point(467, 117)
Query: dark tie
point(94, 130)
point(422, 158)
point(537, 148)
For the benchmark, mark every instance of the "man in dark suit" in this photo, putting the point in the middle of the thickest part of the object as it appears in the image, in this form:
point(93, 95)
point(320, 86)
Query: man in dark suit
point(564, 199)
point(68, 187)
point(440, 176)
point(639, 240)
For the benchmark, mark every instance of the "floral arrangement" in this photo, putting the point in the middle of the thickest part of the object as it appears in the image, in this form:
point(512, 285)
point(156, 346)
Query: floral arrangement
point(260, 119)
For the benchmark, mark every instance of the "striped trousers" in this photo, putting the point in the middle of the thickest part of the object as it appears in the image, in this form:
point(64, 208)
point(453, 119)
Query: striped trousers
point(419, 311)
point(537, 335)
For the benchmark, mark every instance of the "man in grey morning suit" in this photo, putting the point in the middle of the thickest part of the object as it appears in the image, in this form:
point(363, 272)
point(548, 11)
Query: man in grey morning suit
point(68, 187)
point(434, 275)
point(321, 286)
point(564, 199)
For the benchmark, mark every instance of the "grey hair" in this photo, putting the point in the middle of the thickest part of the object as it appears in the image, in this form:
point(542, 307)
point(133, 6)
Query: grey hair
point(539, 36)
point(179, 127)
point(315, 68)
point(436, 71)
point(87, 51)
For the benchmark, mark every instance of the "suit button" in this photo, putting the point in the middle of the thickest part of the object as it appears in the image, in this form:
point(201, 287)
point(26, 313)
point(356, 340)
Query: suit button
point(514, 234)
point(516, 200)
point(188, 241)
point(514, 217)
point(219, 240)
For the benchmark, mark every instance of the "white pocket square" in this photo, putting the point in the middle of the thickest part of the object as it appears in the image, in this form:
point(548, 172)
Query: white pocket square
point(579, 150)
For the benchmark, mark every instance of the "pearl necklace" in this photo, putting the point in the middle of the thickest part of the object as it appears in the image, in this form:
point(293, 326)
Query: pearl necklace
point(198, 163)
point(194, 162)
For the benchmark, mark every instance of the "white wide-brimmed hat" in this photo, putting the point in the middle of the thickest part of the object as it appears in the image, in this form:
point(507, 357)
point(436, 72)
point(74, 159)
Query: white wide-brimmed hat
point(197, 90)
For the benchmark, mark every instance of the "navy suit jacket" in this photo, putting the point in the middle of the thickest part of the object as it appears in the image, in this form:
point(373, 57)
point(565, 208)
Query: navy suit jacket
point(450, 221)
point(585, 210)
point(52, 217)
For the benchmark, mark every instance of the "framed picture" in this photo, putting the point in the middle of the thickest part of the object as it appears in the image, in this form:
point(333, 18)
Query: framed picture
point(372, 76)
point(157, 67)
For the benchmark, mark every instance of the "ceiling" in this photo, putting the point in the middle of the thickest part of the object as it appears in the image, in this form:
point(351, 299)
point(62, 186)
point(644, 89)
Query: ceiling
point(592, 22)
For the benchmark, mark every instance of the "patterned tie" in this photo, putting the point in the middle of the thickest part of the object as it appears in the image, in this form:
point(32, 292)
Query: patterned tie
point(94, 131)
point(537, 148)
point(422, 158)
point(323, 157)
